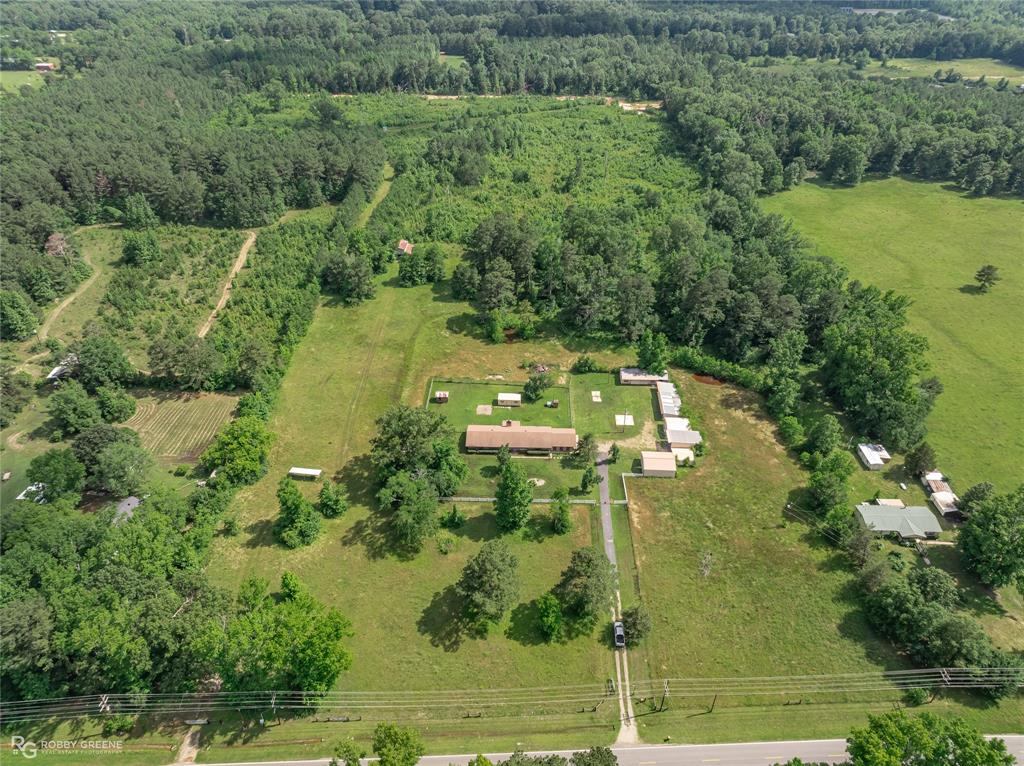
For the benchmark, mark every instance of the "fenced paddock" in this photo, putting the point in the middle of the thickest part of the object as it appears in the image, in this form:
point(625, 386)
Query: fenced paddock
point(177, 427)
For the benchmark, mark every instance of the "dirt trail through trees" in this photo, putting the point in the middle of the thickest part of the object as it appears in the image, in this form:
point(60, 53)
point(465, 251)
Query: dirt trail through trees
point(44, 329)
point(243, 255)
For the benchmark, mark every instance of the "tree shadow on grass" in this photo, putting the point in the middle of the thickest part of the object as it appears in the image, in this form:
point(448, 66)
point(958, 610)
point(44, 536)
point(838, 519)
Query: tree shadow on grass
point(970, 290)
point(358, 477)
point(489, 471)
point(538, 527)
point(465, 324)
point(442, 292)
point(524, 625)
point(877, 650)
point(444, 620)
point(478, 528)
point(374, 533)
point(261, 534)
point(745, 402)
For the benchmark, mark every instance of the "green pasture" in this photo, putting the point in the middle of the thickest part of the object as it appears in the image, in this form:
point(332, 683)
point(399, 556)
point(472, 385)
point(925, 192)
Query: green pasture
point(927, 241)
point(899, 68)
point(464, 398)
point(598, 418)
point(776, 599)
point(13, 79)
point(354, 363)
point(452, 60)
point(971, 69)
point(731, 506)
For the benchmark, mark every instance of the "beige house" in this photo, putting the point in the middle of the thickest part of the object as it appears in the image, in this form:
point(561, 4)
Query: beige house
point(520, 438)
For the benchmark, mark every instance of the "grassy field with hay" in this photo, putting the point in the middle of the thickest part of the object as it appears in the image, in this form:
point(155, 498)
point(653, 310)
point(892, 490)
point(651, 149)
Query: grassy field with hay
point(176, 427)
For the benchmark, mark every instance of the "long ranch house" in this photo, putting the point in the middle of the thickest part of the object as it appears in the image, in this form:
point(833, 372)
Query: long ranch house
point(520, 438)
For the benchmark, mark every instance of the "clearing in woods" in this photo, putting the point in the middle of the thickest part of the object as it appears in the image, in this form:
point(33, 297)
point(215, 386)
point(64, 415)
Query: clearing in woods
point(177, 427)
point(925, 241)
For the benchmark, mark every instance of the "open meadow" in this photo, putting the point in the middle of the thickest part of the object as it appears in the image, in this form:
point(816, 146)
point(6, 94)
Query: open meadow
point(925, 241)
point(899, 68)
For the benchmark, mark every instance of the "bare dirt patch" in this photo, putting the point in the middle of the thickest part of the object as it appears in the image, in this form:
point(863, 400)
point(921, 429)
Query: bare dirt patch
point(646, 439)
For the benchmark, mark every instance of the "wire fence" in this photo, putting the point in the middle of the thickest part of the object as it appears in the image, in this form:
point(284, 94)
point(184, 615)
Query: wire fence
point(528, 701)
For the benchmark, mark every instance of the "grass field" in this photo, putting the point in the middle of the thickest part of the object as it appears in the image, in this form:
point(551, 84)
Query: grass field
point(925, 241)
point(177, 427)
point(13, 79)
point(452, 60)
point(330, 399)
point(731, 507)
point(465, 397)
point(776, 601)
point(971, 69)
point(899, 68)
point(598, 418)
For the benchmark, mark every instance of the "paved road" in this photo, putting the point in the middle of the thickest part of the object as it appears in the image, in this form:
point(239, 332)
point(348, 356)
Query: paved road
point(627, 731)
point(736, 754)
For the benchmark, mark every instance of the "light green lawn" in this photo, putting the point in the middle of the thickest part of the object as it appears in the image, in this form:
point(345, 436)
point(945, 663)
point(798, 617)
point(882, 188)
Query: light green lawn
point(598, 418)
point(971, 69)
point(465, 397)
point(899, 68)
point(451, 60)
point(925, 241)
point(484, 474)
point(13, 79)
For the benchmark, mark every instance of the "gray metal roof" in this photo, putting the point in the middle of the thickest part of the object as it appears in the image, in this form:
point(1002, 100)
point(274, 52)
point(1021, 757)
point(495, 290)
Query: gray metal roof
point(914, 521)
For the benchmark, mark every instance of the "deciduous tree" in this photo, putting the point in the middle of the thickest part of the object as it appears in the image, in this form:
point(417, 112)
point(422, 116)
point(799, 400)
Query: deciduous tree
point(397, 746)
point(992, 539)
point(586, 584)
point(489, 584)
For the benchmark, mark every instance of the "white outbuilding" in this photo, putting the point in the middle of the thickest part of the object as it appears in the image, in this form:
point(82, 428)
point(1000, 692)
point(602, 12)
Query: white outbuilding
point(304, 473)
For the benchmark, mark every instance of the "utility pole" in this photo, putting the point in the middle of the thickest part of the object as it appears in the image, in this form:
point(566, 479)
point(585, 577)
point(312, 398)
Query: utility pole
point(664, 695)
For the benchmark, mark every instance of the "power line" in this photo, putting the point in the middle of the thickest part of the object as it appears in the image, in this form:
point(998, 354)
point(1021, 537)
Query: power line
point(527, 701)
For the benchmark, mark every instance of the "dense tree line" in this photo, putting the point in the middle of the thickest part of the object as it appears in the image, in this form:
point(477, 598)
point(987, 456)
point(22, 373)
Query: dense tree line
point(104, 601)
point(843, 126)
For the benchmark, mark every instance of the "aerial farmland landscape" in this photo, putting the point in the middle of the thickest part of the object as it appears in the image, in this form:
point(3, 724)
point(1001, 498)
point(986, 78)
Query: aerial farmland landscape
point(592, 382)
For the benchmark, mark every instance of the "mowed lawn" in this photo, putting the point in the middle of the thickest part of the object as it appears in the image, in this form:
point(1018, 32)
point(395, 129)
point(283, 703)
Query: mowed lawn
point(354, 363)
point(926, 241)
point(598, 418)
point(176, 427)
point(464, 398)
